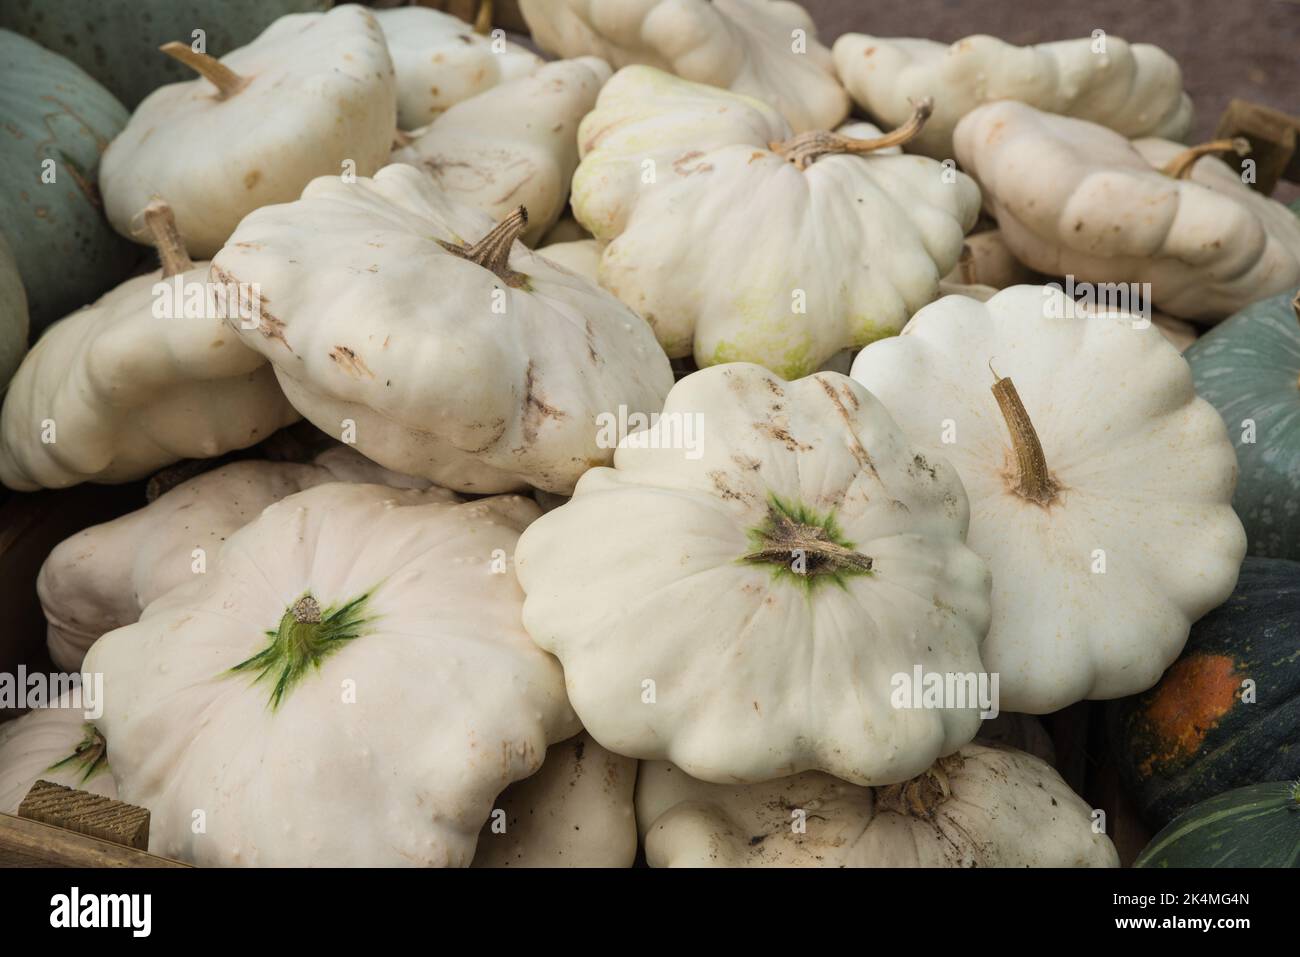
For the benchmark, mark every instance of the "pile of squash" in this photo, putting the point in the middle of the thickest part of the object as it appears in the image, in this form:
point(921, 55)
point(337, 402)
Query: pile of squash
point(690, 456)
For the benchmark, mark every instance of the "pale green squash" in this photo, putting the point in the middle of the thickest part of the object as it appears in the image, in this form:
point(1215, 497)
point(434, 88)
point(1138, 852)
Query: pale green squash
point(50, 110)
point(1248, 368)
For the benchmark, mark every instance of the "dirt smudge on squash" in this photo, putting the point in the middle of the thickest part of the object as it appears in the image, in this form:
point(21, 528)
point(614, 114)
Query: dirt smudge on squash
point(536, 409)
point(351, 363)
point(724, 489)
point(1195, 695)
point(781, 434)
point(682, 167)
point(854, 444)
point(268, 325)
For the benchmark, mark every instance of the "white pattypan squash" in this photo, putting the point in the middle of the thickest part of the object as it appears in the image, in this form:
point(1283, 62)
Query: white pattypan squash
point(839, 248)
point(439, 61)
point(782, 556)
point(766, 50)
point(1074, 198)
point(1100, 485)
point(581, 256)
point(575, 812)
point(142, 378)
point(104, 576)
point(454, 354)
point(986, 261)
point(987, 266)
point(566, 230)
point(348, 685)
point(1136, 89)
point(515, 145)
point(312, 96)
point(980, 807)
point(53, 744)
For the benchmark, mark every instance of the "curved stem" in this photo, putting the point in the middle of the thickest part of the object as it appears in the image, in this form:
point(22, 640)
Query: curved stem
point(226, 80)
point(492, 252)
point(483, 21)
point(1180, 167)
point(806, 148)
point(167, 239)
point(1032, 480)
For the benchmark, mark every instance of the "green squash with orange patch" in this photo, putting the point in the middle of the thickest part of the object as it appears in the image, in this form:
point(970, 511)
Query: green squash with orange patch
point(1227, 712)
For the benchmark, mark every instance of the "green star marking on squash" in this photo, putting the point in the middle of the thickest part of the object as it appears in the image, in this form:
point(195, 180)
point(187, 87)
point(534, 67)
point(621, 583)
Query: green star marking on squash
point(804, 546)
point(89, 758)
point(305, 637)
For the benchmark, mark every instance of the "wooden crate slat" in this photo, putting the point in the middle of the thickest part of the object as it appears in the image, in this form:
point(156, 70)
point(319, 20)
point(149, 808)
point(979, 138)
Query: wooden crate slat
point(91, 814)
point(1274, 137)
point(27, 843)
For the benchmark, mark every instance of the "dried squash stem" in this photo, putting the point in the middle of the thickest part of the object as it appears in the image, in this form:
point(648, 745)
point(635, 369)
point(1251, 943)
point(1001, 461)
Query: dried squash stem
point(226, 80)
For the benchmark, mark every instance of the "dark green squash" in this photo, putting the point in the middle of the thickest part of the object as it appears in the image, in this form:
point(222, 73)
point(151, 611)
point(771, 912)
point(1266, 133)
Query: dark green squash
point(1193, 736)
point(66, 252)
point(1248, 367)
point(117, 41)
point(1254, 826)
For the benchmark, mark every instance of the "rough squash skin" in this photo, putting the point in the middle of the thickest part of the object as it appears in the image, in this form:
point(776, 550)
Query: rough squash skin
point(1205, 728)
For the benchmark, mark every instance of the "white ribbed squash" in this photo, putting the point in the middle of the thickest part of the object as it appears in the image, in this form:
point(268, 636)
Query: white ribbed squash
point(1074, 198)
point(839, 249)
point(104, 576)
point(766, 585)
point(439, 61)
point(1100, 485)
point(747, 46)
point(480, 369)
point(980, 807)
point(308, 96)
point(52, 744)
point(579, 255)
point(1135, 89)
point(575, 812)
point(119, 389)
point(348, 685)
point(516, 144)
